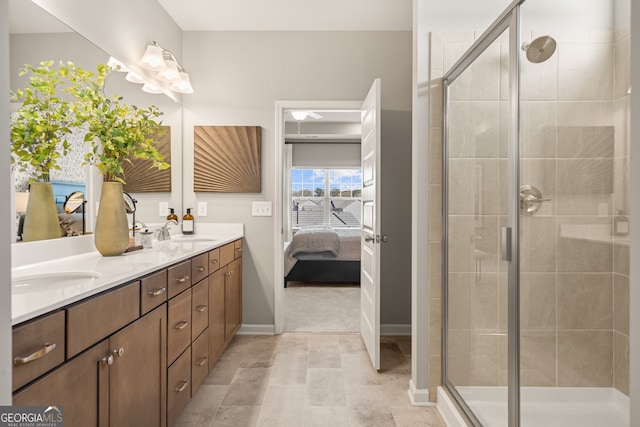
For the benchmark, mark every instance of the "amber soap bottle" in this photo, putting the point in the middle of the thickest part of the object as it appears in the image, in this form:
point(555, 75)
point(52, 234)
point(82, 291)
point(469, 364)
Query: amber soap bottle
point(188, 223)
point(172, 215)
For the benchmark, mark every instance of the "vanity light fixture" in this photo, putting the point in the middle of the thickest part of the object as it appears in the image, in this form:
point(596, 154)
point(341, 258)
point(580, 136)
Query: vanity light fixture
point(134, 78)
point(156, 58)
point(116, 65)
point(149, 88)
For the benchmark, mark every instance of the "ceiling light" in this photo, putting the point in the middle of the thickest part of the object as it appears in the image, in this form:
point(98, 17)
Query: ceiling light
point(134, 78)
point(153, 58)
point(149, 88)
point(183, 85)
point(299, 115)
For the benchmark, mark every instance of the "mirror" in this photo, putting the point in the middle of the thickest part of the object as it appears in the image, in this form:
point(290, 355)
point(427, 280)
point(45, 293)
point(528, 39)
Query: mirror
point(35, 35)
point(74, 204)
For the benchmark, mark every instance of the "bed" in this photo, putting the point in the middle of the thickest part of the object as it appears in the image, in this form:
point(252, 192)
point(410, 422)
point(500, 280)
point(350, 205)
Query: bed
point(323, 254)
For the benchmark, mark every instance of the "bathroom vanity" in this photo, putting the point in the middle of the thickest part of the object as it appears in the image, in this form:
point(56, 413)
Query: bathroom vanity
point(126, 341)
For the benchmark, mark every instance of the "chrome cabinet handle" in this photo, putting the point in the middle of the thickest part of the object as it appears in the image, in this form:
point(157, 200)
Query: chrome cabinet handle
point(201, 308)
point(201, 268)
point(182, 386)
point(107, 360)
point(181, 325)
point(239, 249)
point(156, 292)
point(119, 352)
point(202, 361)
point(35, 355)
point(183, 279)
point(214, 261)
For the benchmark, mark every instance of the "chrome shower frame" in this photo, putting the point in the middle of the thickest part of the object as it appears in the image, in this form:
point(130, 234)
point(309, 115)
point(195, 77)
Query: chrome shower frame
point(509, 19)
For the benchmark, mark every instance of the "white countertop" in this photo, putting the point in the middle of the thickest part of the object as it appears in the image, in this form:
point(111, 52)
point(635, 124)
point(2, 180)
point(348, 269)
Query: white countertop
point(40, 287)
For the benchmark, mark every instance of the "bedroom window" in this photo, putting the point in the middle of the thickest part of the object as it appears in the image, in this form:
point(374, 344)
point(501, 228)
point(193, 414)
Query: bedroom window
point(326, 196)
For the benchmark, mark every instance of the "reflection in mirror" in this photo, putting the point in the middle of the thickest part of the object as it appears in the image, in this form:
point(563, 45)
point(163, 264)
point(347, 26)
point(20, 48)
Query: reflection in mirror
point(35, 35)
point(75, 203)
point(130, 207)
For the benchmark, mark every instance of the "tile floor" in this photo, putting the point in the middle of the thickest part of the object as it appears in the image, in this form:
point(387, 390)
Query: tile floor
point(304, 380)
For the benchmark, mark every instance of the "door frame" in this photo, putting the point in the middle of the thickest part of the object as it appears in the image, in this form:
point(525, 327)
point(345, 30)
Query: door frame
point(278, 248)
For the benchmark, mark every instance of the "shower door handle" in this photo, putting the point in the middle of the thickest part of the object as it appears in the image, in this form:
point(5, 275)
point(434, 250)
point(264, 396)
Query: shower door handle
point(506, 244)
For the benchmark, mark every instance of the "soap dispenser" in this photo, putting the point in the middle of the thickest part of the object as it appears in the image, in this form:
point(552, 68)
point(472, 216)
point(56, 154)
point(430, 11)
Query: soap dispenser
point(188, 223)
point(172, 215)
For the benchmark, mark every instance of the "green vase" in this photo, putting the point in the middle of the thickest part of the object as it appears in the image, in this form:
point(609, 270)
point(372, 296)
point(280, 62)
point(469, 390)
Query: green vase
point(41, 219)
point(112, 227)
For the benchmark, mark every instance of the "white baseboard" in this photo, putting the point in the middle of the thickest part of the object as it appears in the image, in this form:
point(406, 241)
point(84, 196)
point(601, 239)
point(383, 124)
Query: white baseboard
point(419, 397)
point(448, 410)
point(391, 329)
point(257, 329)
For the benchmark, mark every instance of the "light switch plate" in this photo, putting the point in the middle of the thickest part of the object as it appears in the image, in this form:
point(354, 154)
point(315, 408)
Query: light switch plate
point(261, 209)
point(163, 209)
point(202, 208)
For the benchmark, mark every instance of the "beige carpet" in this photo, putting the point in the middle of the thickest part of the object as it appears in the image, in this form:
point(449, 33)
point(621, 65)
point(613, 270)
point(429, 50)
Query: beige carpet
point(322, 307)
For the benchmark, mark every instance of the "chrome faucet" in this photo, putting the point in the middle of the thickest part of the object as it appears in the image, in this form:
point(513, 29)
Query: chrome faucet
point(163, 232)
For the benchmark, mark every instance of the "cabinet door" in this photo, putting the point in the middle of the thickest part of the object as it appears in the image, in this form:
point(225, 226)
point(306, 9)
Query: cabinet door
point(179, 389)
point(178, 325)
point(76, 386)
point(216, 315)
point(138, 386)
point(233, 298)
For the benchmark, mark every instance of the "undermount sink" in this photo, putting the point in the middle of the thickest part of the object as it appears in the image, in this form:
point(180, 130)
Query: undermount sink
point(37, 282)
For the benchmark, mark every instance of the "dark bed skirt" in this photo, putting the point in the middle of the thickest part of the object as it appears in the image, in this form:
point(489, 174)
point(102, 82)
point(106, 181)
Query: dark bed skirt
point(324, 271)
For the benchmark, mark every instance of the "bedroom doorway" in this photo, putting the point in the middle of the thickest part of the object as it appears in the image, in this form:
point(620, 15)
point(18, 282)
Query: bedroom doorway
point(317, 149)
point(369, 197)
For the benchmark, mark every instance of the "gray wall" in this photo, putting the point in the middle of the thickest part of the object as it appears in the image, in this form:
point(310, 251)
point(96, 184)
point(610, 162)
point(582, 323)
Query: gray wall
point(326, 155)
point(238, 76)
point(5, 208)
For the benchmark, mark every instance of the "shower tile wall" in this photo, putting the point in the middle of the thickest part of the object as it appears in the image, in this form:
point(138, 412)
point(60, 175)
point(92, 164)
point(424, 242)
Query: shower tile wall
point(574, 290)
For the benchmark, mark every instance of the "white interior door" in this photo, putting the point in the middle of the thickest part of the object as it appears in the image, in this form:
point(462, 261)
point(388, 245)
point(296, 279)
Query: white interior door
point(370, 248)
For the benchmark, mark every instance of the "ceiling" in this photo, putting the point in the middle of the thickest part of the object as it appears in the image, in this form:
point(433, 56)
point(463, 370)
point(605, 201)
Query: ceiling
point(291, 15)
point(27, 17)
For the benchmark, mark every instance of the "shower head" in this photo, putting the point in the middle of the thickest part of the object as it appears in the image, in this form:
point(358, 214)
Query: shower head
point(540, 49)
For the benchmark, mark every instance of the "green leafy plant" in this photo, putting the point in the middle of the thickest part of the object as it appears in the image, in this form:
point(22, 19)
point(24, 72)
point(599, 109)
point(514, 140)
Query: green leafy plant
point(117, 132)
point(41, 127)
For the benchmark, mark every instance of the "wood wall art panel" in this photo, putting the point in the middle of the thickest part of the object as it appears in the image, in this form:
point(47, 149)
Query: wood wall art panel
point(141, 178)
point(227, 159)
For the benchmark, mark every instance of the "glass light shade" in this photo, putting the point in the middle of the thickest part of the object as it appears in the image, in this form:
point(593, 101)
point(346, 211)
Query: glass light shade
point(170, 73)
point(149, 88)
point(153, 58)
point(22, 199)
point(116, 65)
point(299, 115)
point(134, 78)
point(183, 85)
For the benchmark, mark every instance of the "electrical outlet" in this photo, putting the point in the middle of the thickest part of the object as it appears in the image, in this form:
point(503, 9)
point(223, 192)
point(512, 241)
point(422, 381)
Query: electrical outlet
point(202, 208)
point(261, 209)
point(163, 209)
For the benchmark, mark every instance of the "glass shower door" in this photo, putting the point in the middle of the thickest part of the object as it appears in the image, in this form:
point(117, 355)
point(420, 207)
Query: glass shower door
point(475, 209)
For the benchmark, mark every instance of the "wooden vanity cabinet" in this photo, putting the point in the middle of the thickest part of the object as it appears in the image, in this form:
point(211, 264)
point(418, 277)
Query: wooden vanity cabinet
point(225, 300)
point(118, 382)
point(179, 326)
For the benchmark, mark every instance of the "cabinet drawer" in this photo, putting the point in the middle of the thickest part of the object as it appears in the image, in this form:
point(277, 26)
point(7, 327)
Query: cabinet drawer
point(178, 325)
point(214, 260)
point(178, 386)
point(94, 319)
point(237, 248)
point(179, 278)
point(227, 254)
point(153, 291)
point(199, 267)
point(199, 361)
point(38, 346)
point(200, 308)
